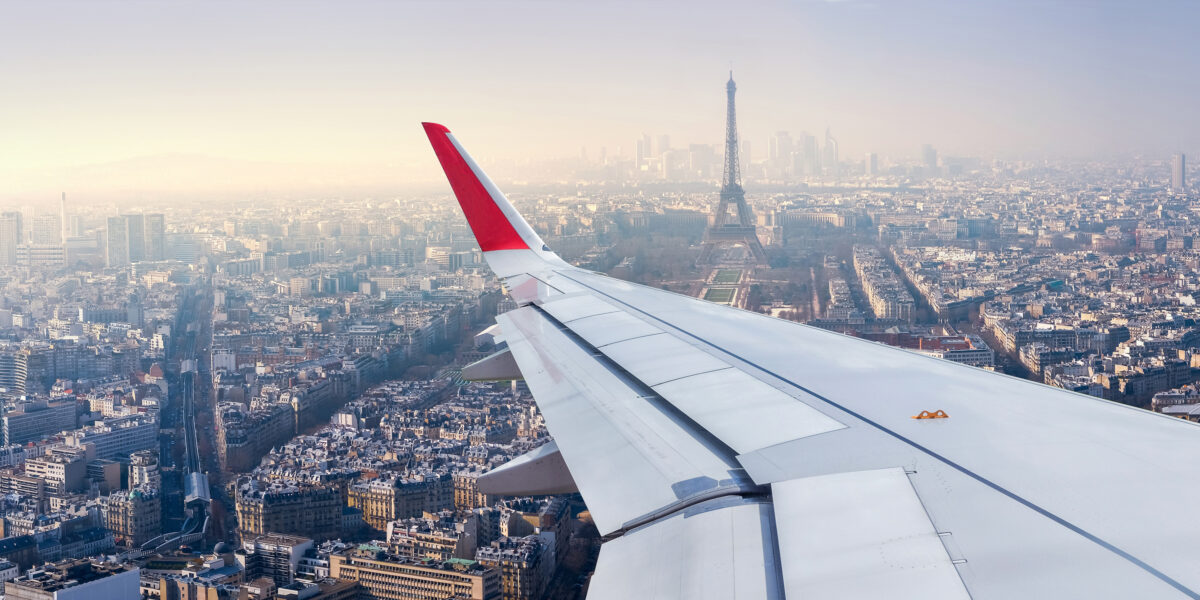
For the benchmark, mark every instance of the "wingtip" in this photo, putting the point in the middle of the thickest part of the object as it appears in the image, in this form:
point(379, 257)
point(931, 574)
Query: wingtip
point(434, 127)
point(494, 228)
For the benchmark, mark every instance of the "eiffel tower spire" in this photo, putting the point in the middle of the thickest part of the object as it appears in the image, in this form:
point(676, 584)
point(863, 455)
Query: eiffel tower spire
point(733, 173)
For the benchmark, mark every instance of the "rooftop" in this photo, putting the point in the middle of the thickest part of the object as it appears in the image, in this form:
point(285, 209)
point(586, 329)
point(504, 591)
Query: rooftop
point(67, 573)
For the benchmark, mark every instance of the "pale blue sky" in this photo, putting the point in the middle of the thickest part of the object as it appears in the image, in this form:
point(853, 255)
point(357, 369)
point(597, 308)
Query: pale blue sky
point(342, 86)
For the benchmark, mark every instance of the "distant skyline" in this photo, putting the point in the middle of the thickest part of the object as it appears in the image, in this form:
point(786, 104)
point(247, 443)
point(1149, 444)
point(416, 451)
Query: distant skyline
point(182, 97)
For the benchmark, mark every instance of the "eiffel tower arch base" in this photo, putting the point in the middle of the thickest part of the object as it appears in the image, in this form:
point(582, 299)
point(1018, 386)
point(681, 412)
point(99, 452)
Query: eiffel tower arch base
point(716, 238)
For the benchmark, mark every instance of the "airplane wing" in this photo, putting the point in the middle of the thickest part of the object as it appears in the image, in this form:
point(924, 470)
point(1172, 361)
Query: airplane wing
point(727, 454)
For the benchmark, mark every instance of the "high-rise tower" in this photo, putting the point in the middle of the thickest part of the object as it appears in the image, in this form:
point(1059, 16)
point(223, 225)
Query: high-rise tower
point(1179, 173)
point(116, 238)
point(11, 236)
point(62, 218)
point(739, 226)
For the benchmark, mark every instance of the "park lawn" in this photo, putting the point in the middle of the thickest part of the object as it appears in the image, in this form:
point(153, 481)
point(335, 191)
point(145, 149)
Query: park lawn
point(719, 295)
point(727, 276)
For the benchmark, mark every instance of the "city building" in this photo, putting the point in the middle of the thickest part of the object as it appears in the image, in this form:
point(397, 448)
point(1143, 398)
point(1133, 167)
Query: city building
point(929, 157)
point(382, 501)
point(62, 473)
point(47, 230)
point(1179, 173)
point(119, 437)
point(133, 238)
point(313, 511)
point(525, 564)
point(11, 236)
point(275, 556)
point(320, 590)
point(75, 580)
point(388, 577)
point(246, 434)
point(434, 538)
point(888, 296)
point(135, 228)
point(38, 419)
point(143, 469)
point(133, 516)
point(116, 242)
point(156, 237)
point(14, 370)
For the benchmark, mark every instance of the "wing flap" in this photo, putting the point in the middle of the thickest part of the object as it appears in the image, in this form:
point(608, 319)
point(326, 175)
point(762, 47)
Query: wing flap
point(745, 413)
point(610, 328)
point(539, 471)
point(661, 358)
point(719, 549)
point(860, 534)
point(572, 308)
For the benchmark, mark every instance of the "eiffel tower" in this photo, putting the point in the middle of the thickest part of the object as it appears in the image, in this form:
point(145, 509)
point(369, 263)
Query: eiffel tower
point(738, 227)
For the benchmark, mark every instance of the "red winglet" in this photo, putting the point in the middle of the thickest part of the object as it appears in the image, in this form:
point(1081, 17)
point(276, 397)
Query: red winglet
point(491, 226)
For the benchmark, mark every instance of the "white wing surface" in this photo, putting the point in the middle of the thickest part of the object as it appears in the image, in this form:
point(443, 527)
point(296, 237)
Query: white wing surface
point(727, 454)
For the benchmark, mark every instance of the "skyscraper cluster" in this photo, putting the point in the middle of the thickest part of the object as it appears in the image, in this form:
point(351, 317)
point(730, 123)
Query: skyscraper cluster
point(802, 155)
point(131, 238)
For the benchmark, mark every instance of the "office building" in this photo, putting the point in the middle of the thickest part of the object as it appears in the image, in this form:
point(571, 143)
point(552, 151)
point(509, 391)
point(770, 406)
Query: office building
point(14, 370)
point(275, 556)
point(156, 237)
point(831, 153)
point(779, 150)
point(871, 164)
point(135, 237)
point(11, 236)
point(35, 420)
point(116, 242)
point(929, 157)
point(135, 226)
point(62, 472)
point(1179, 173)
point(119, 437)
point(45, 247)
point(62, 218)
point(389, 577)
point(39, 257)
point(104, 474)
point(47, 230)
point(806, 156)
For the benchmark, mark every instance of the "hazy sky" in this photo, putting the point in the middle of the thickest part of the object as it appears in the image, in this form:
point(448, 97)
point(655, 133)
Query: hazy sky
point(259, 92)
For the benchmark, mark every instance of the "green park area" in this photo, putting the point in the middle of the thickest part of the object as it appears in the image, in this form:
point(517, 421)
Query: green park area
point(727, 276)
point(724, 295)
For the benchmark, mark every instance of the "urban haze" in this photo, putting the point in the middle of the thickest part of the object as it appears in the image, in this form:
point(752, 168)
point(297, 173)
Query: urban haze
point(237, 296)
